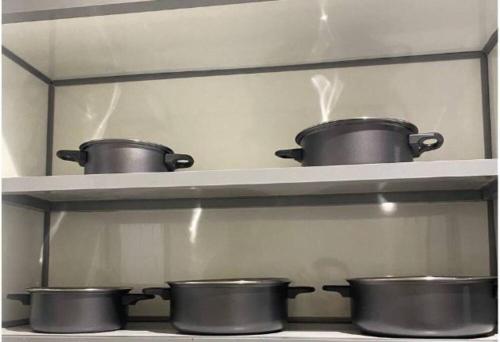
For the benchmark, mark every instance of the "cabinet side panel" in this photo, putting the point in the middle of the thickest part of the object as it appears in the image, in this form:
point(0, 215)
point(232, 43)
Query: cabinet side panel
point(22, 231)
point(24, 125)
point(24, 122)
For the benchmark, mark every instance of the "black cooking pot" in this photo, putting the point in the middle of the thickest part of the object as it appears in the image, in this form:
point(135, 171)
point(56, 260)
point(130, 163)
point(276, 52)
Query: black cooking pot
point(361, 141)
point(78, 310)
point(229, 306)
point(123, 155)
point(422, 306)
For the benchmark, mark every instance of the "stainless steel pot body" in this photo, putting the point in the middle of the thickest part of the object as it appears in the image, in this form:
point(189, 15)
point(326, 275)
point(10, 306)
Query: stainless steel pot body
point(229, 306)
point(422, 306)
point(123, 156)
point(361, 141)
point(86, 310)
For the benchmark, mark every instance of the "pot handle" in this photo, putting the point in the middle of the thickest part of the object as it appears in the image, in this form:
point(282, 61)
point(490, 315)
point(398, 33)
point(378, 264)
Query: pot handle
point(294, 291)
point(24, 298)
point(293, 153)
point(70, 155)
point(163, 292)
point(418, 142)
point(344, 290)
point(133, 298)
point(178, 161)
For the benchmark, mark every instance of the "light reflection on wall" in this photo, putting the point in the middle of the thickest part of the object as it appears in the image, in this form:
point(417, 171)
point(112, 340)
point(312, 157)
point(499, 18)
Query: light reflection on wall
point(328, 92)
point(388, 207)
point(9, 168)
point(385, 206)
point(325, 37)
point(103, 124)
point(59, 217)
point(193, 226)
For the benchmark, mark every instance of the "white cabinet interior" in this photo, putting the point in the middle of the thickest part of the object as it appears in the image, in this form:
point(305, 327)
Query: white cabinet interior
point(231, 97)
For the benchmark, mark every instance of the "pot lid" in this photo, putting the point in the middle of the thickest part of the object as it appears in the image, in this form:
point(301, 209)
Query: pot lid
point(136, 142)
point(325, 125)
point(232, 282)
point(79, 289)
point(420, 279)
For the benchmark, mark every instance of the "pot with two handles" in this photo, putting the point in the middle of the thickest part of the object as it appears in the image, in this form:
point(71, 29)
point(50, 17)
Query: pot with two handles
point(78, 310)
point(125, 155)
point(229, 306)
point(422, 306)
point(361, 141)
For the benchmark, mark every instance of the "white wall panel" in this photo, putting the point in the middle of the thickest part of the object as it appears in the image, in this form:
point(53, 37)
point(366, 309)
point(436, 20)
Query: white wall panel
point(22, 231)
point(310, 245)
point(24, 122)
point(239, 121)
point(493, 78)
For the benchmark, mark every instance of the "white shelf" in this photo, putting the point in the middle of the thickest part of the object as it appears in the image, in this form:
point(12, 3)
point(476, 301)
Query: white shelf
point(466, 175)
point(265, 33)
point(160, 331)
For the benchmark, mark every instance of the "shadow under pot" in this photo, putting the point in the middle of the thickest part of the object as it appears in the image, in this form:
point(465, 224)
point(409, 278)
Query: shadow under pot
point(432, 307)
point(229, 306)
point(78, 310)
point(124, 156)
point(361, 141)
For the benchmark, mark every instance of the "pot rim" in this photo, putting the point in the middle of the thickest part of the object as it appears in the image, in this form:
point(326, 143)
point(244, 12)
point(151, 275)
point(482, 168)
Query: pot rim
point(138, 142)
point(79, 289)
point(232, 282)
point(422, 279)
point(365, 119)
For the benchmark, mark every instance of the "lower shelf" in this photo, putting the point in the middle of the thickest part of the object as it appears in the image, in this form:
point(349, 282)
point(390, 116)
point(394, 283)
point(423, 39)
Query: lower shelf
point(161, 331)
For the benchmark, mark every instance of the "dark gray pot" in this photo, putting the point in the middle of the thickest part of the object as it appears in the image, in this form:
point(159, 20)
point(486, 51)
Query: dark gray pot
point(78, 310)
point(361, 141)
point(229, 306)
point(122, 156)
point(422, 306)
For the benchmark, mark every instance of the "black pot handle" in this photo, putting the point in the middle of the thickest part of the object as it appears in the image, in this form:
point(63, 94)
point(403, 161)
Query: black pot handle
point(418, 142)
point(163, 292)
point(344, 290)
point(294, 291)
point(293, 153)
point(133, 298)
point(24, 298)
point(70, 155)
point(178, 161)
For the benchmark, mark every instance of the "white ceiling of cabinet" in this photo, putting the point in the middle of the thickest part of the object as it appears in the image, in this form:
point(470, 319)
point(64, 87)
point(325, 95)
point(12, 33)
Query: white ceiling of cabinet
point(253, 34)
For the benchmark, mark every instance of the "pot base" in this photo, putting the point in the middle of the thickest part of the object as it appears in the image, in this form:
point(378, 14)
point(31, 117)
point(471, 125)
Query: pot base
point(225, 333)
point(93, 331)
point(429, 335)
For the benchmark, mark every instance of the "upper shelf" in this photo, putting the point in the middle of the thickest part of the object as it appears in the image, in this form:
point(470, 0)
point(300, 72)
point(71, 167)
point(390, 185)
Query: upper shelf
point(464, 175)
point(249, 34)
